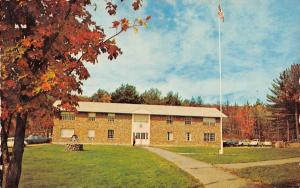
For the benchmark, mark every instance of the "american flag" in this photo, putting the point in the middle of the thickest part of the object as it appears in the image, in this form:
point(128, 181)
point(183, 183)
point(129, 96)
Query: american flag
point(220, 12)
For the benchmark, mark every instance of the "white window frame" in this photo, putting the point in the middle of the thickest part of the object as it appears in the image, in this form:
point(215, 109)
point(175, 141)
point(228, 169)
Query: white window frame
point(92, 116)
point(169, 119)
point(188, 136)
point(209, 121)
point(91, 133)
point(188, 120)
point(209, 137)
point(67, 116)
point(111, 117)
point(110, 134)
point(170, 136)
point(71, 133)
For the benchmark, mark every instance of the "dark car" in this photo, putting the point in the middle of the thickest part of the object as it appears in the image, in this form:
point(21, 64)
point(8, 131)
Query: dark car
point(35, 139)
point(229, 143)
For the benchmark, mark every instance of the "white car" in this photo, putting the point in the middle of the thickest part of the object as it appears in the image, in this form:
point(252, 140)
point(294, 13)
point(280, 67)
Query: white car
point(254, 142)
point(267, 143)
point(11, 140)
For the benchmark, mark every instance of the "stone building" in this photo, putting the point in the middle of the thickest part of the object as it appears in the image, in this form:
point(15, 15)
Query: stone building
point(115, 123)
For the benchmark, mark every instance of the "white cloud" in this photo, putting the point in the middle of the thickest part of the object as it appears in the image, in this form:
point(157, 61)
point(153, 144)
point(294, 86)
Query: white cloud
point(155, 57)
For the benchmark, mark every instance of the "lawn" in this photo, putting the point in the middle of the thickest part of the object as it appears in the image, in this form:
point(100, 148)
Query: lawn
point(287, 175)
point(235, 154)
point(100, 166)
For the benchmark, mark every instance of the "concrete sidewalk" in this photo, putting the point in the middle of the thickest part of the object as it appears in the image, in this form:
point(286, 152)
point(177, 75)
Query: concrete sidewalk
point(207, 174)
point(260, 163)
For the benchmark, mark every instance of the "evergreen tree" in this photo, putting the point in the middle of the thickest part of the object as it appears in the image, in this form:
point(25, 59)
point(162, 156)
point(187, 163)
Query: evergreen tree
point(285, 97)
point(126, 94)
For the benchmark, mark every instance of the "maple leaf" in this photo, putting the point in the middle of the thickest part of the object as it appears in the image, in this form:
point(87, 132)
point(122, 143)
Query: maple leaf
point(26, 42)
point(136, 4)
point(125, 24)
point(22, 63)
point(46, 86)
point(11, 84)
point(116, 24)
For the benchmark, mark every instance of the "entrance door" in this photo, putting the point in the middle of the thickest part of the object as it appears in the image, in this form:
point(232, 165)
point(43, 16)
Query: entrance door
point(141, 138)
point(141, 129)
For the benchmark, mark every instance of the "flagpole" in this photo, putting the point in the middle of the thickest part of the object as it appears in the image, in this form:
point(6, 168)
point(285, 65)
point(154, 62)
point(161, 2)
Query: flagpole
point(220, 90)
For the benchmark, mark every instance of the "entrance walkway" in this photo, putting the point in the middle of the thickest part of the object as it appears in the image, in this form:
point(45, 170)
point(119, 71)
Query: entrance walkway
point(210, 176)
point(260, 163)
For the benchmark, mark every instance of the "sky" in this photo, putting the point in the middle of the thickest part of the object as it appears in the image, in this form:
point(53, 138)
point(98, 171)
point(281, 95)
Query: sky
point(179, 50)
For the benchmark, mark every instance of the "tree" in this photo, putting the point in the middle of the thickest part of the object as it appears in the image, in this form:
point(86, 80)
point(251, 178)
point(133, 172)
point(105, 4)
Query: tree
point(43, 48)
point(125, 94)
point(84, 98)
point(172, 99)
point(101, 96)
point(285, 97)
point(151, 96)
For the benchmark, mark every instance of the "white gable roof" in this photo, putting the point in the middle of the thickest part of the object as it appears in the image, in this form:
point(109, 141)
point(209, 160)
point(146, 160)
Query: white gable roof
point(147, 109)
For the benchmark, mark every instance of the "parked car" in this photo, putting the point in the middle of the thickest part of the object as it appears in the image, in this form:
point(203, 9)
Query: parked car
point(245, 142)
point(255, 142)
point(35, 139)
point(267, 143)
point(11, 141)
point(229, 143)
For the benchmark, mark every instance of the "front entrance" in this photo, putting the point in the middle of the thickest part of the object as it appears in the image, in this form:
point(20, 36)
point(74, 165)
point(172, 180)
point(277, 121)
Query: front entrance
point(141, 129)
point(141, 138)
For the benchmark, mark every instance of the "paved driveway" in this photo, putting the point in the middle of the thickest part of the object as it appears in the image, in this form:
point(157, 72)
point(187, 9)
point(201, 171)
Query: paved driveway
point(260, 163)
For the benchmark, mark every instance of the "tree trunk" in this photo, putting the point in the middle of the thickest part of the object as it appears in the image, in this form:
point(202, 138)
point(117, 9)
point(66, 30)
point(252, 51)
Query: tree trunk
point(11, 175)
point(297, 121)
point(288, 130)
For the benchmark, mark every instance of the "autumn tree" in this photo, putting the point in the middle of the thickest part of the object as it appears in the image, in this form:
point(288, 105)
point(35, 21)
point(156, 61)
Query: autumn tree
point(126, 94)
point(101, 96)
point(44, 46)
point(84, 98)
point(285, 97)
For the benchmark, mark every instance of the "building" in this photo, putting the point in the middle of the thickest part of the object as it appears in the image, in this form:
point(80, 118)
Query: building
point(115, 123)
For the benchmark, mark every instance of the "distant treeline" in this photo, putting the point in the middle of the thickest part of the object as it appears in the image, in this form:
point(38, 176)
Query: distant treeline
point(128, 94)
point(278, 119)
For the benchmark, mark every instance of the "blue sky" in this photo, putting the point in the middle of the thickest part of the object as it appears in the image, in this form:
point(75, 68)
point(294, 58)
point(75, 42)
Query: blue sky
point(179, 50)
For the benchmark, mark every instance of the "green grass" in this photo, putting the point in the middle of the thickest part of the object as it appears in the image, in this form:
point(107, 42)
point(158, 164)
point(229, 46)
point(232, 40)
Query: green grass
point(235, 155)
point(99, 166)
point(287, 175)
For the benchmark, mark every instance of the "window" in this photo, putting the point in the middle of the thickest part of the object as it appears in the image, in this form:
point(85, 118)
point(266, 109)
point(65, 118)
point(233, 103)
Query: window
point(209, 121)
point(169, 119)
point(188, 120)
point(188, 136)
point(209, 137)
point(110, 134)
point(111, 117)
point(67, 116)
point(137, 136)
point(66, 133)
point(169, 136)
point(92, 116)
point(91, 133)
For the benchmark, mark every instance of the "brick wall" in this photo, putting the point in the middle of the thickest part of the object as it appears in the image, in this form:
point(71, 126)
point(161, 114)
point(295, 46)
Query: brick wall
point(81, 125)
point(159, 129)
point(122, 130)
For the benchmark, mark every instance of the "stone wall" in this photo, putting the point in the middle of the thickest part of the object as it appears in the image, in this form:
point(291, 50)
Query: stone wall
point(159, 129)
point(81, 125)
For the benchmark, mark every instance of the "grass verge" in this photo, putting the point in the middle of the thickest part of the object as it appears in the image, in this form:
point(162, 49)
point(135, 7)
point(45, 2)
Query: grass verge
point(286, 175)
point(235, 154)
point(100, 166)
